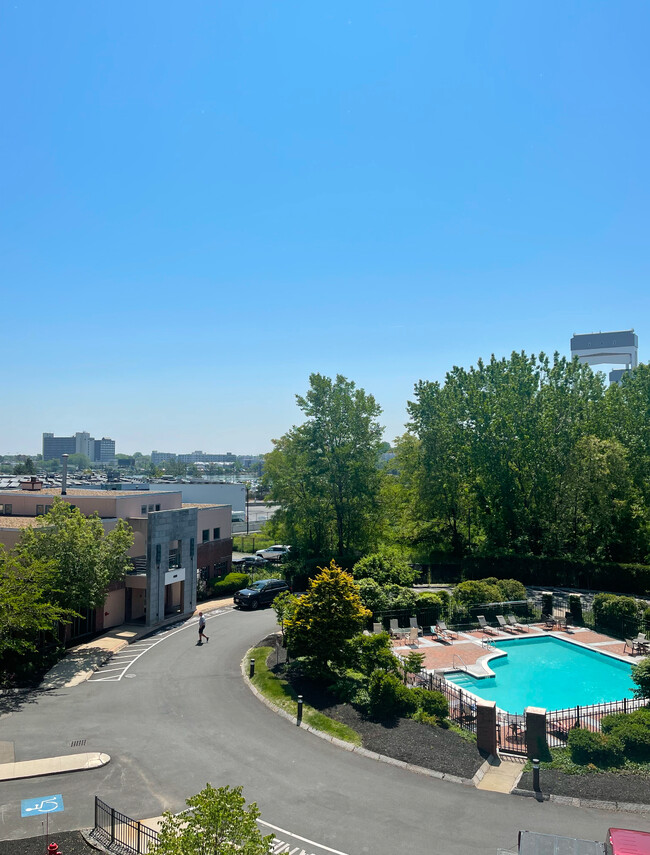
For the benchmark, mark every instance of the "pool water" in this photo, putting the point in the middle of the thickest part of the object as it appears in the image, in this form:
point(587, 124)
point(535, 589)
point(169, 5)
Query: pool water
point(551, 673)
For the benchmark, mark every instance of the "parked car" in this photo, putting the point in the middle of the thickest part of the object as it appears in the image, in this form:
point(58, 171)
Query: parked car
point(619, 841)
point(249, 561)
point(260, 593)
point(274, 553)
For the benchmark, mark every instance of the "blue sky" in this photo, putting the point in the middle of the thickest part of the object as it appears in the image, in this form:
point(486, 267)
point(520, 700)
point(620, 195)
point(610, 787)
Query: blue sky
point(204, 202)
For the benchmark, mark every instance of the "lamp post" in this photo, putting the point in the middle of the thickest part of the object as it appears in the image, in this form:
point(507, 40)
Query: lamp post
point(246, 508)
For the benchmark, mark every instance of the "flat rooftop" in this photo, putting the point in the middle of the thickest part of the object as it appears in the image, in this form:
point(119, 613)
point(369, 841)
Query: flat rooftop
point(89, 494)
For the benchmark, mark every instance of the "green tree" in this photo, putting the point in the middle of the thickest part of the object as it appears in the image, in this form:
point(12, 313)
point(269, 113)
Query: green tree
point(641, 676)
point(217, 823)
point(325, 618)
point(385, 567)
point(27, 467)
point(78, 461)
point(26, 607)
point(84, 557)
point(325, 474)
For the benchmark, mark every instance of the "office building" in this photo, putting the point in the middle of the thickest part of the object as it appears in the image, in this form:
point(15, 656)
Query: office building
point(96, 450)
point(608, 348)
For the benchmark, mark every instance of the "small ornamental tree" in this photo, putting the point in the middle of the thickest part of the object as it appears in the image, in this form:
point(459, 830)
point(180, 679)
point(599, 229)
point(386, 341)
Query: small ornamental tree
point(325, 618)
point(218, 823)
point(641, 676)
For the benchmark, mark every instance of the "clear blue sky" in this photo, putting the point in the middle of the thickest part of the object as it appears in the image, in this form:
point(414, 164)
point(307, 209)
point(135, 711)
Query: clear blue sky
point(203, 202)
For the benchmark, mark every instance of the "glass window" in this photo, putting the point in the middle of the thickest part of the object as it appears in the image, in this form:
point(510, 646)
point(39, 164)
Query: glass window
point(151, 507)
point(9, 510)
point(157, 507)
point(2, 509)
point(217, 534)
point(48, 508)
point(206, 535)
point(143, 509)
point(39, 510)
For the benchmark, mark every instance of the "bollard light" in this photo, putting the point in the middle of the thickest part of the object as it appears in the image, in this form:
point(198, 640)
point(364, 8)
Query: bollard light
point(299, 712)
point(536, 775)
point(251, 669)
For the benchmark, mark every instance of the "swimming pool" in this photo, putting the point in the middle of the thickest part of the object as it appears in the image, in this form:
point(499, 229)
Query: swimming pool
point(549, 672)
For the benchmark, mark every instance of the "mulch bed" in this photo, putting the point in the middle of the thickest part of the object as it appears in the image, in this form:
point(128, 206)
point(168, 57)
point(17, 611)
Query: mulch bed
point(404, 739)
point(602, 786)
point(69, 843)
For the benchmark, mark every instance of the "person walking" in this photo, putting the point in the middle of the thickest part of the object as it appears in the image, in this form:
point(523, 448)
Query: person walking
point(202, 634)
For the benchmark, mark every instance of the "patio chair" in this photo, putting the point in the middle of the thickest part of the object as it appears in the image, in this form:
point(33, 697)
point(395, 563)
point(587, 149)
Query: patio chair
point(443, 630)
point(485, 626)
point(548, 621)
point(638, 644)
point(512, 620)
point(413, 636)
point(377, 628)
point(395, 630)
point(503, 624)
point(413, 623)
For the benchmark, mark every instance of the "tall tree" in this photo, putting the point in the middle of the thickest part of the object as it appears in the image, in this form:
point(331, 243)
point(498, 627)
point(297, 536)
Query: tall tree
point(84, 558)
point(324, 474)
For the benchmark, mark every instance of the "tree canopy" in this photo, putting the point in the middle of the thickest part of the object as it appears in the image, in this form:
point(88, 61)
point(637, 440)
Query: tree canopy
point(83, 557)
point(325, 475)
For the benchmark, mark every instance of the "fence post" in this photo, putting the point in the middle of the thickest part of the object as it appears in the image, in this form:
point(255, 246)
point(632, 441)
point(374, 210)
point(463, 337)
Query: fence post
point(536, 744)
point(112, 825)
point(486, 726)
point(139, 824)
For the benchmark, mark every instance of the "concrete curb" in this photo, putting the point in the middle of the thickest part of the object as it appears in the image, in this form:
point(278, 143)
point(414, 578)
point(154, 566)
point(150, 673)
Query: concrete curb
point(53, 765)
point(570, 801)
point(356, 749)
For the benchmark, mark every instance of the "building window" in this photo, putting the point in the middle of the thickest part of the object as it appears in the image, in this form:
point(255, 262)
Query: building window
point(221, 568)
point(48, 508)
point(151, 507)
point(2, 509)
point(157, 507)
point(39, 510)
point(9, 510)
point(206, 535)
point(143, 509)
point(217, 534)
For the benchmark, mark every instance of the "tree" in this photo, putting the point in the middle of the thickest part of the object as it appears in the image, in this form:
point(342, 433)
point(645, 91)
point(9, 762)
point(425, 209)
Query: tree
point(26, 607)
point(325, 618)
point(217, 823)
point(25, 468)
point(325, 473)
point(84, 558)
point(385, 567)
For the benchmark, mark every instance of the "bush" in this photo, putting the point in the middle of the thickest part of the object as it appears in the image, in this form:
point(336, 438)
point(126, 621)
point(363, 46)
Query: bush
point(368, 653)
point(350, 687)
point(575, 607)
point(597, 748)
point(641, 676)
point(389, 697)
point(475, 592)
point(373, 596)
point(633, 731)
point(618, 614)
point(431, 604)
point(432, 703)
point(228, 585)
point(510, 589)
point(385, 567)
point(401, 598)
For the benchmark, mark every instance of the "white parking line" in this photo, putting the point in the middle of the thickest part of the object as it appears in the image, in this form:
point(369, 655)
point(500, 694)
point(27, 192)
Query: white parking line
point(140, 648)
point(280, 846)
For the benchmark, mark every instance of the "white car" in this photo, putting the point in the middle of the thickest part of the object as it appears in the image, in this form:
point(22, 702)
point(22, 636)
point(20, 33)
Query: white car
point(274, 553)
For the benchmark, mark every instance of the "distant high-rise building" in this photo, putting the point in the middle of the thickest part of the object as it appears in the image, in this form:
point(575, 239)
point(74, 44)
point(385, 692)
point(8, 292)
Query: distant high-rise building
point(608, 348)
point(96, 450)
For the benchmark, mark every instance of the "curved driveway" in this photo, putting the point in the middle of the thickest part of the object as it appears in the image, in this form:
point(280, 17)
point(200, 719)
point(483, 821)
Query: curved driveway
point(183, 717)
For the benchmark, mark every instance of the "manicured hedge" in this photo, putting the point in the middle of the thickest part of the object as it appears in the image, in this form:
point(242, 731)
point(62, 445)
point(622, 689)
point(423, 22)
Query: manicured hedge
point(229, 584)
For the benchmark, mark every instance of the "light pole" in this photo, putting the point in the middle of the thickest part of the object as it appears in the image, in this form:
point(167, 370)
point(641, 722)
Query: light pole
point(246, 508)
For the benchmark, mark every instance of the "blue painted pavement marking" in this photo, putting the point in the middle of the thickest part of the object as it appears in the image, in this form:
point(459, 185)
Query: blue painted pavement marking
point(44, 804)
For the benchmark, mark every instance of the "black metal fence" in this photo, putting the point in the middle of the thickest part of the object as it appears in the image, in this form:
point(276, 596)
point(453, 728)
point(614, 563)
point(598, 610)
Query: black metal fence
point(121, 834)
point(511, 733)
point(462, 707)
point(559, 723)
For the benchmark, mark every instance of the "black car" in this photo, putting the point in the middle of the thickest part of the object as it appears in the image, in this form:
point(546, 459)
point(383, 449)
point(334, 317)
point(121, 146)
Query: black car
point(249, 561)
point(259, 593)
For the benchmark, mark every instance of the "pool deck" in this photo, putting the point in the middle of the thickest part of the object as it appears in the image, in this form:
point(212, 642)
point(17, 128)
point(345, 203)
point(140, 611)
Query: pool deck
point(469, 648)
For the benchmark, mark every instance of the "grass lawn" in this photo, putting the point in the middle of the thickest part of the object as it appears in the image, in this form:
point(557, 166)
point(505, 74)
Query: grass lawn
point(279, 692)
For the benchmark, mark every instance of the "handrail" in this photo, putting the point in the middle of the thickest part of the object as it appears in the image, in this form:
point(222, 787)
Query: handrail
point(453, 660)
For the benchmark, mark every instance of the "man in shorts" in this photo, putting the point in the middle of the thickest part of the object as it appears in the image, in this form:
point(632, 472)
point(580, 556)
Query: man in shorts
point(202, 634)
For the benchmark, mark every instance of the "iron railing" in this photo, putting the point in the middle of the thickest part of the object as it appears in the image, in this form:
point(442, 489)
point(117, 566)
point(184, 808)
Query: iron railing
point(511, 733)
point(559, 723)
point(462, 707)
point(121, 834)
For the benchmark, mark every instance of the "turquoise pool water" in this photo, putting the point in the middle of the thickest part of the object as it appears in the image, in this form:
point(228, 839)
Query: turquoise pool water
point(548, 672)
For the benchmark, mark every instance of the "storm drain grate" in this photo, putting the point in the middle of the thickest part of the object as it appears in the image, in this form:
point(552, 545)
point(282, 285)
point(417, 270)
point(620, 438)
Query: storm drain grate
point(77, 743)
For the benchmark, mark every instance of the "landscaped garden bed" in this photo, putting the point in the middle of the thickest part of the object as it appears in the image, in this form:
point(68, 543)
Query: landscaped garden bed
point(601, 786)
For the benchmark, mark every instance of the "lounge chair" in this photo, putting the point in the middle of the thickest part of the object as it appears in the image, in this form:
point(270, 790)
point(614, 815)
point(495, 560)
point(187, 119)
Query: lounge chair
point(503, 624)
point(443, 630)
point(485, 626)
point(512, 620)
point(395, 630)
point(413, 636)
point(413, 623)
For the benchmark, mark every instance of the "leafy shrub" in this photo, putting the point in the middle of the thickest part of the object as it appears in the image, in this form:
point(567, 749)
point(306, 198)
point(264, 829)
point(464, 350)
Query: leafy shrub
point(510, 589)
point(575, 607)
point(401, 598)
point(641, 676)
point(373, 596)
point(619, 614)
point(385, 567)
point(430, 603)
point(229, 584)
point(424, 717)
point(597, 748)
point(349, 686)
point(368, 653)
point(633, 731)
point(389, 697)
point(432, 703)
point(475, 592)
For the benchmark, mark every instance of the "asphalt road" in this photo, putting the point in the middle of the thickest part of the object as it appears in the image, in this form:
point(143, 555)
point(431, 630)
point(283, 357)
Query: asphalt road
point(182, 716)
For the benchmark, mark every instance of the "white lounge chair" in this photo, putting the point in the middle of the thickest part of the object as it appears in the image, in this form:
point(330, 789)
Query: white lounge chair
point(443, 630)
point(504, 624)
point(512, 620)
point(413, 623)
point(485, 626)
